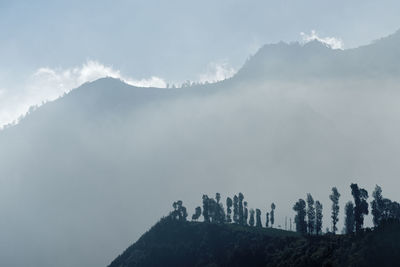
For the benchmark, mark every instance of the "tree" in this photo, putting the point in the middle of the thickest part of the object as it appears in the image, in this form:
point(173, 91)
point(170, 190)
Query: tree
point(246, 213)
point(197, 214)
point(267, 219)
point(272, 215)
point(218, 197)
point(383, 209)
point(212, 209)
point(310, 214)
point(241, 197)
point(229, 204)
point(179, 213)
point(219, 209)
point(251, 221)
point(318, 215)
point(236, 209)
point(258, 218)
point(334, 197)
point(300, 218)
point(184, 214)
point(349, 220)
point(377, 205)
point(360, 196)
point(206, 208)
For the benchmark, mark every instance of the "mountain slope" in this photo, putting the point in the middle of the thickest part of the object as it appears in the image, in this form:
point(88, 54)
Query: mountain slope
point(172, 243)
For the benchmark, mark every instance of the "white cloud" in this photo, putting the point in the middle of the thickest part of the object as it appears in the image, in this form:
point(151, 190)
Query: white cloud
point(217, 72)
point(332, 42)
point(47, 84)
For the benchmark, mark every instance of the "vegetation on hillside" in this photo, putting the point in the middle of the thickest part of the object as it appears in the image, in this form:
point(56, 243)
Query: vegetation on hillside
point(236, 236)
point(308, 219)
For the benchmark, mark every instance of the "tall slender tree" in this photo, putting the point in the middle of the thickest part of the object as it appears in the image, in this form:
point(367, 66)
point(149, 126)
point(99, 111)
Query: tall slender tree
point(229, 204)
point(360, 196)
point(206, 207)
point(212, 210)
point(318, 215)
point(377, 205)
point(241, 219)
point(235, 209)
point(179, 209)
point(251, 221)
point(267, 219)
point(258, 218)
point(334, 197)
point(218, 197)
point(349, 220)
point(300, 218)
point(310, 214)
point(219, 209)
point(246, 213)
point(272, 214)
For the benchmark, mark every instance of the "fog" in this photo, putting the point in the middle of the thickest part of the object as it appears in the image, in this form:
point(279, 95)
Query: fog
point(84, 176)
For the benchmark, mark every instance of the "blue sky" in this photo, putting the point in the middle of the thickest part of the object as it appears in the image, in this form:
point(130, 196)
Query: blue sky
point(174, 40)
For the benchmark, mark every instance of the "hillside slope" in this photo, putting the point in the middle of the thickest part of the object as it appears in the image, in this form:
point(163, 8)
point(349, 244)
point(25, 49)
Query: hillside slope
point(173, 243)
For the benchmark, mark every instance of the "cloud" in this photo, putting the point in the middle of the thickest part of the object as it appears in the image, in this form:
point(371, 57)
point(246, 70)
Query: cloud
point(332, 42)
point(47, 84)
point(216, 72)
point(65, 80)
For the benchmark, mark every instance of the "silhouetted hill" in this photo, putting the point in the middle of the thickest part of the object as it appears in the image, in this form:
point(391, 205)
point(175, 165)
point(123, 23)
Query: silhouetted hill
point(173, 243)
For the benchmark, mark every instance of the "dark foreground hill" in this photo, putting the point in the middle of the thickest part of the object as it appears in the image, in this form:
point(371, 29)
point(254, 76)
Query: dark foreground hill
point(173, 243)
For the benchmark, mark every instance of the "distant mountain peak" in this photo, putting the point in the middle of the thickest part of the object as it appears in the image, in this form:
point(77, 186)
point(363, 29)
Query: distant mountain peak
point(316, 60)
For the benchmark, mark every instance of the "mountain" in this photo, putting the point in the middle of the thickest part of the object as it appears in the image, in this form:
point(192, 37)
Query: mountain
point(314, 60)
point(173, 243)
point(83, 176)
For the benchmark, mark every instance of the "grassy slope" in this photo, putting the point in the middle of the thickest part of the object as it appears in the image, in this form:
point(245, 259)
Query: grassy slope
point(171, 243)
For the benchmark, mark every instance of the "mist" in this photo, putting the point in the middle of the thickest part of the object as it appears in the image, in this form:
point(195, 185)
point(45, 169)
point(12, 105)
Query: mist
point(84, 176)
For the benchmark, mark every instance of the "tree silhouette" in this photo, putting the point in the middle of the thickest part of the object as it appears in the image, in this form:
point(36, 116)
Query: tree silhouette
point(258, 218)
point(179, 210)
point(349, 220)
point(267, 219)
point(214, 210)
point(310, 214)
point(251, 221)
point(236, 209)
point(334, 197)
point(383, 209)
point(219, 209)
point(229, 204)
point(206, 208)
point(318, 215)
point(272, 215)
point(179, 213)
point(300, 218)
point(241, 220)
point(218, 197)
point(197, 214)
point(246, 213)
point(360, 196)
point(377, 205)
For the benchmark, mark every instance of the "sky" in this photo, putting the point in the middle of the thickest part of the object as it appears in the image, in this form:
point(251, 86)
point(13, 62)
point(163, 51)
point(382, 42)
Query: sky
point(45, 45)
